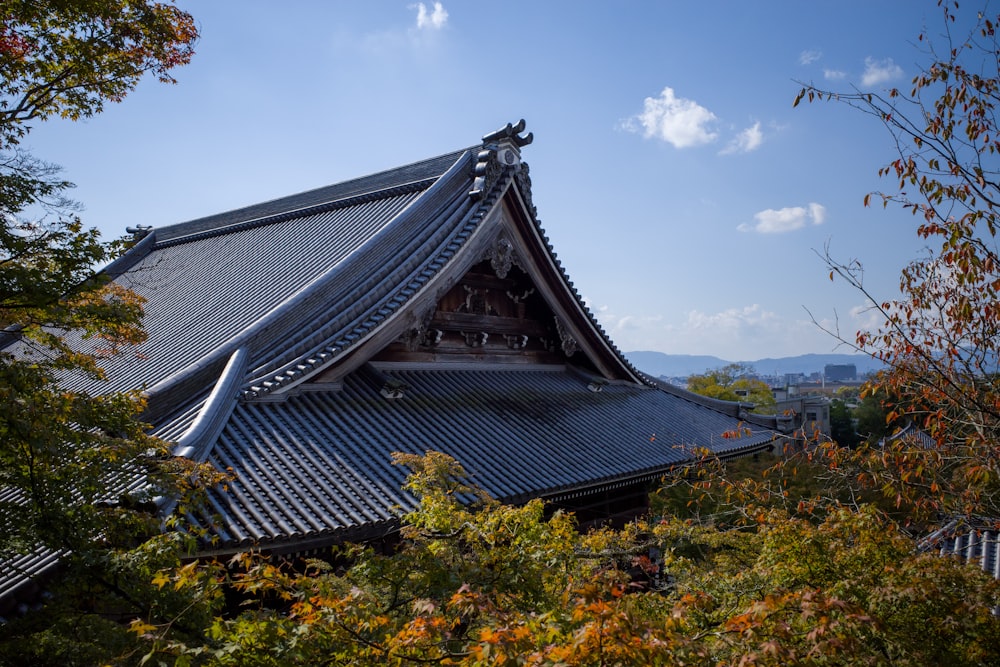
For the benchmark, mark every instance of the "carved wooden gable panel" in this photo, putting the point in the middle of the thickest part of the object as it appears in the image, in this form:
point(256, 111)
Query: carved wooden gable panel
point(494, 313)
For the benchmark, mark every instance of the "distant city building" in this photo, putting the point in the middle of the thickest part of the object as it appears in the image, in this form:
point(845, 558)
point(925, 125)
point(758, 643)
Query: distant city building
point(804, 416)
point(794, 378)
point(840, 372)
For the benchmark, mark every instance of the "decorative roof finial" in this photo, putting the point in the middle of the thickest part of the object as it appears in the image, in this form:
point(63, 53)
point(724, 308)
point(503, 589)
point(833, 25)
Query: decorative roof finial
point(500, 149)
point(138, 232)
point(510, 132)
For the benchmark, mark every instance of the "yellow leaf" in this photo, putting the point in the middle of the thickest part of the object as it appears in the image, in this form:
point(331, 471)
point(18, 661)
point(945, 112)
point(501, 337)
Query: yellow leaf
point(140, 627)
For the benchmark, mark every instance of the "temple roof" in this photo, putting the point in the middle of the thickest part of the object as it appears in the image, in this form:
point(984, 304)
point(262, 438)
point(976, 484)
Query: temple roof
point(519, 433)
point(300, 341)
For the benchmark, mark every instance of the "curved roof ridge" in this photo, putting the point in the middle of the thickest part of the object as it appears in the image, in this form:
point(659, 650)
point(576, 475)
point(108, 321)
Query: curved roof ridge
point(201, 434)
point(272, 322)
point(142, 247)
point(377, 310)
point(214, 412)
point(443, 200)
point(440, 244)
point(347, 321)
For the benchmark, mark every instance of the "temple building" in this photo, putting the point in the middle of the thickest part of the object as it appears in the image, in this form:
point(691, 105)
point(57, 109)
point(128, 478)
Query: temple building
point(299, 342)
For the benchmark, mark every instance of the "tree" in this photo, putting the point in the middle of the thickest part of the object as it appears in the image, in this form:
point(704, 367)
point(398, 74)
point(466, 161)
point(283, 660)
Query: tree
point(69, 460)
point(765, 578)
point(872, 414)
point(68, 59)
point(488, 584)
point(842, 428)
point(734, 382)
point(941, 337)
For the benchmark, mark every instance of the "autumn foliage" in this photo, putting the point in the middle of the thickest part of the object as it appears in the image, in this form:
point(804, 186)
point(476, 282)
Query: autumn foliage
point(491, 584)
point(941, 336)
point(67, 59)
point(811, 562)
point(78, 473)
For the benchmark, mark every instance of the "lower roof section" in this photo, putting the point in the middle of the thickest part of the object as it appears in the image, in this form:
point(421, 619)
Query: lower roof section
point(317, 466)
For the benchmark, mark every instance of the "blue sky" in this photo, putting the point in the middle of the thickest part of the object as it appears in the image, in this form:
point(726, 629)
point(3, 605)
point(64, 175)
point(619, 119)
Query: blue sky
point(683, 193)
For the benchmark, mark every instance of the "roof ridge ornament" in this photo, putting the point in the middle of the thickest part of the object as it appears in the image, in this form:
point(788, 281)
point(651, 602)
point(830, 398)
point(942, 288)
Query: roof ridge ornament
point(501, 149)
point(566, 340)
point(487, 170)
point(139, 232)
point(510, 132)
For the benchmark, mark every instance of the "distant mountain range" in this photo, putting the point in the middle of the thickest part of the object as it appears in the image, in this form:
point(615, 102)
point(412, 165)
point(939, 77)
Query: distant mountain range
point(682, 365)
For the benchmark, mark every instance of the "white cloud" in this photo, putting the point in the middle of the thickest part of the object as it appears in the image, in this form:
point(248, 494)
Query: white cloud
point(809, 57)
point(731, 320)
point(771, 221)
point(739, 333)
point(680, 122)
point(433, 19)
point(834, 74)
point(392, 43)
point(632, 331)
point(748, 140)
point(880, 71)
point(817, 212)
point(866, 318)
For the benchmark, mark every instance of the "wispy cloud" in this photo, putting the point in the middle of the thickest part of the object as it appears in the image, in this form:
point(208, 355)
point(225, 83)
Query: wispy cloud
point(818, 213)
point(748, 140)
point(866, 318)
point(809, 57)
point(390, 43)
point(735, 321)
point(680, 122)
point(878, 72)
point(738, 333)
point(779, 221)
point(433, 19)
point(834, 74)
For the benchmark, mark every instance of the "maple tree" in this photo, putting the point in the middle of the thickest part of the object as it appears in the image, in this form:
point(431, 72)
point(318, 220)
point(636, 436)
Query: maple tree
point(67, 59)
point(940, 338)
point(476, 582)
point(78, 473)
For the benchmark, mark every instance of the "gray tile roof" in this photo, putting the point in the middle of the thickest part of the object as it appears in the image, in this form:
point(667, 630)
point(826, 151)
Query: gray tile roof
point(323, 456)
point(976, 545)
point(205, 290)
point(979, 547)
point(417, 175)
point(911, 434)
point(21, 575)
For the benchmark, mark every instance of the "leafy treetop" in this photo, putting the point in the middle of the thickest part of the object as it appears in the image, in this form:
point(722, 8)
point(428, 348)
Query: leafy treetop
point(734, 382)
point(67, 59)
point(941, 336)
